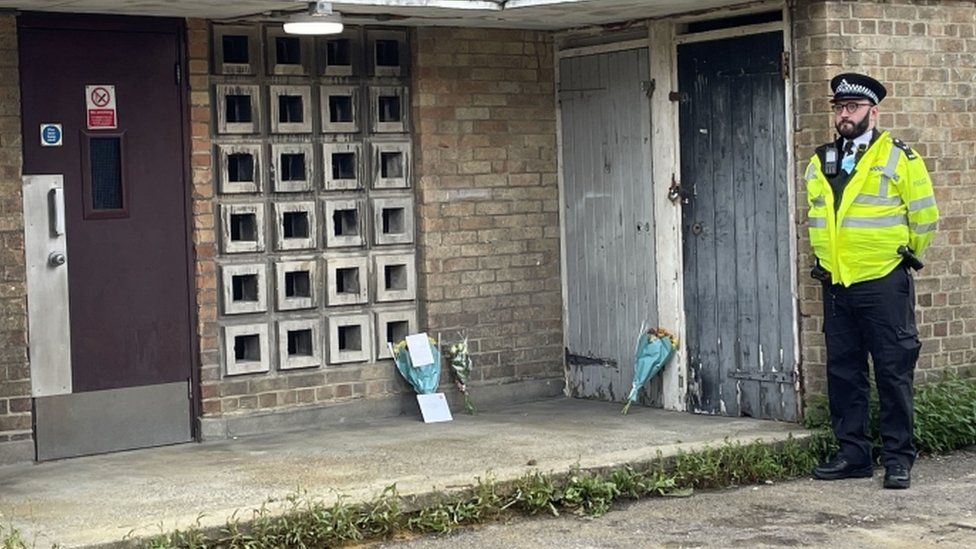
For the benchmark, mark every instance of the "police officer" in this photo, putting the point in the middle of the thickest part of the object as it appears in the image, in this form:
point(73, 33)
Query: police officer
point(869, 196)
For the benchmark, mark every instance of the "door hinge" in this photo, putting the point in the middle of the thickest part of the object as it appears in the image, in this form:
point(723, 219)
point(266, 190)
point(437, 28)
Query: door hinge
point(784, 65)
point(680, 97)
point(768, 377)
point(178, 70)
point(647, 86)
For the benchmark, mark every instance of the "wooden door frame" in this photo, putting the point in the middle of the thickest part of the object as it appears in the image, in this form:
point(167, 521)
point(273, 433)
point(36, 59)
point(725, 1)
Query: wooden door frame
point(662, 41)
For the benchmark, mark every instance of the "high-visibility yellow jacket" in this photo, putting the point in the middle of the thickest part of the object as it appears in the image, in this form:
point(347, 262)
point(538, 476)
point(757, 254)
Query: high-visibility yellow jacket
point(888, 202)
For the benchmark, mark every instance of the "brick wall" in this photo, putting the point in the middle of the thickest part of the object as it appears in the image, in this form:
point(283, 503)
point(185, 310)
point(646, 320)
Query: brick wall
point(925, 53)
point(488, 196)
point(204, 225)
point(15, 405)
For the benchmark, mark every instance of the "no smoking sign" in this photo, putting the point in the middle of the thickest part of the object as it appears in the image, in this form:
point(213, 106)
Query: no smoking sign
point(100, 103)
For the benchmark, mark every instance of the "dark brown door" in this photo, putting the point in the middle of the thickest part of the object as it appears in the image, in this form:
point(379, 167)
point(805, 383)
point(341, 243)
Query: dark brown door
point(124, 191)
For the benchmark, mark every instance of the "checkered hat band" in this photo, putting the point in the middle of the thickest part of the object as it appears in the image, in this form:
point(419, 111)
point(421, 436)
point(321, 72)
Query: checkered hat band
point(846, 88)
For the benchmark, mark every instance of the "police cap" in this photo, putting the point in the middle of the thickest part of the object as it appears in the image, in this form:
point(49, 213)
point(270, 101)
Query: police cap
point(851, 85)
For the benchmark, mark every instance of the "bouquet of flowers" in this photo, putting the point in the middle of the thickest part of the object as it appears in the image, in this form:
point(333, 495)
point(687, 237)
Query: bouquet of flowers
point(425, 377)
point(654, 349)
point(461, 366)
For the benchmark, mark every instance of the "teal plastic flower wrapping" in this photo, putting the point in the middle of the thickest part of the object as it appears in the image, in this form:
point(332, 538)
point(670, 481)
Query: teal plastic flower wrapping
point(424, 379)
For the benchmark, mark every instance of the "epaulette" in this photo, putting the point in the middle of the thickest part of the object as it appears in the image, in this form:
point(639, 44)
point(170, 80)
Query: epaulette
point(909, 153)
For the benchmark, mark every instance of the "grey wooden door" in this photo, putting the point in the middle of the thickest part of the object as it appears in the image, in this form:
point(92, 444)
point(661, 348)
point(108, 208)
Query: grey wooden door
point(608, 213)
point(735, 228)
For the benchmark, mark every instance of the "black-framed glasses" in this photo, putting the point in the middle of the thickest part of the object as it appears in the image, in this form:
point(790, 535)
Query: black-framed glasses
point(851, 108)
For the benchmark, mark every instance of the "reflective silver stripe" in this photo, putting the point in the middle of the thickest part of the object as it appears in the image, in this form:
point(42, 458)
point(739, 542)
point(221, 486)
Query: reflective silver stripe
point(818, 222)
point(921, 203)
point(811, 172)
point(876, 200)
point(818, 201)
point(889, 171)
point(922, 228)
point(875, 222)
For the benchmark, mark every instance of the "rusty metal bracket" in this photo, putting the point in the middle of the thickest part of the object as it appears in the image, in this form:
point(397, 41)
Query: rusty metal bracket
point(680, 97)
point(674, 191)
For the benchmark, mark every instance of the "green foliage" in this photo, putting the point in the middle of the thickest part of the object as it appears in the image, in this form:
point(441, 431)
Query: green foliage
point(945, 416)
point(10, 538)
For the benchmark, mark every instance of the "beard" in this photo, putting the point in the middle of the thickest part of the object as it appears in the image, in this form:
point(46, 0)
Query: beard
point(849, 129)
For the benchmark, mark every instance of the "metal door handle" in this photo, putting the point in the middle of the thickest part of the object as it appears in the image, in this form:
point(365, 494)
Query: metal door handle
point(56, 259)
point(56, 196)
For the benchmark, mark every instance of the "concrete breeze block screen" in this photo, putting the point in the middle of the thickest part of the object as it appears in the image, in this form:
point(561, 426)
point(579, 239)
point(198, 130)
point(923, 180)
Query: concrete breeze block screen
point(313, 173)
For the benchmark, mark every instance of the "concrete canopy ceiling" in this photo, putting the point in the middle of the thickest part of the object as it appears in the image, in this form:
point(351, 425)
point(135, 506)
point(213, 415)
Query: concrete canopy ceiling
point(522, 14)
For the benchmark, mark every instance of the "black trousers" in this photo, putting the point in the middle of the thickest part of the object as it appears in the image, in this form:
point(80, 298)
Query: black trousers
point(876, 317)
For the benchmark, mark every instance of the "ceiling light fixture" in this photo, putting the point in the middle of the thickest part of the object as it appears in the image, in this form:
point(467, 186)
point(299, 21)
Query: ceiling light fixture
point(319, 19)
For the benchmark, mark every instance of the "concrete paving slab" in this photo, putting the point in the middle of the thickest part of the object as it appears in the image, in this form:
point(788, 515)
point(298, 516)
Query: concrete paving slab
point(102, 499)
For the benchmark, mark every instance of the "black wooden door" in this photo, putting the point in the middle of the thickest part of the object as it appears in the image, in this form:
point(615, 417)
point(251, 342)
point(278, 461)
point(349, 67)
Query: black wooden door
point(735, 227)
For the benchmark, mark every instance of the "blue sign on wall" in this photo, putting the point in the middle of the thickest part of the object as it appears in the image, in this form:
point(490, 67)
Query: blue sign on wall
point(51, 135)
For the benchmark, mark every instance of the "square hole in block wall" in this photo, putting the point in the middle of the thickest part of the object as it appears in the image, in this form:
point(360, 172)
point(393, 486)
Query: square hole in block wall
point(391, 164)
point(240, 168)
point(397, 330)
point(339, 109)
point(347, 281)
point(236, 49)
point(298, 343)
point(237, 108)
point(393, 221)
point(292, 169)
point(343, 220)
point(296, 284)
point(290, 109)
point(342, 166)
point(295, 225)
point(288, 54)
point(349, 338)
point(393, 325)
point(242, 227)
point(345, 223)
point(397, 277)
point(288, 50)
point(246, 349)
point(389, 52)
point(341, 54)
point(243, 288)
point(387, 109)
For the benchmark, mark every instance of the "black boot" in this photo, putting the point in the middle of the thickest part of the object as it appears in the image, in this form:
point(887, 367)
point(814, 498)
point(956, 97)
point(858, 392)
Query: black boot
point(839, 468)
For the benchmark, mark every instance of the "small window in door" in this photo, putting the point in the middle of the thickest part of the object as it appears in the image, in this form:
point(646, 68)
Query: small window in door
point(104, 176)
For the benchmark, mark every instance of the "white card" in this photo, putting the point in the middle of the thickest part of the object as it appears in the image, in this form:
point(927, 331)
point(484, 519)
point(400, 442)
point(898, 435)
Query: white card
point(434, 408)
point(419, 347)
